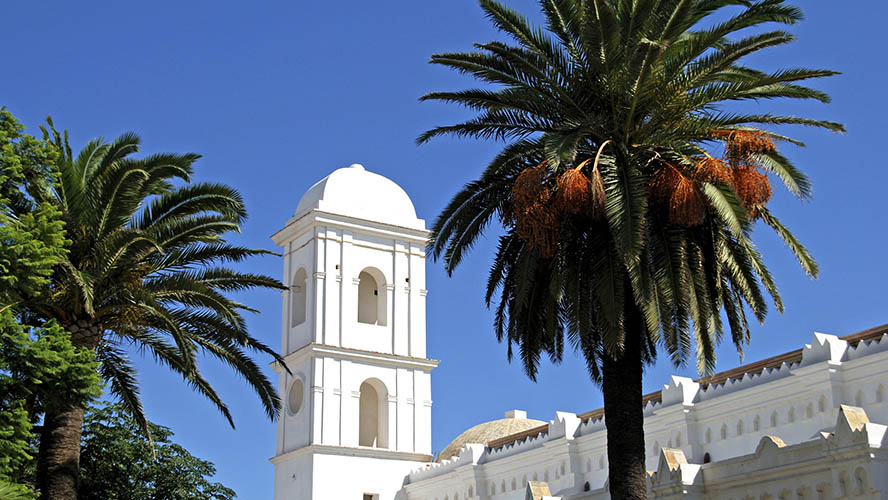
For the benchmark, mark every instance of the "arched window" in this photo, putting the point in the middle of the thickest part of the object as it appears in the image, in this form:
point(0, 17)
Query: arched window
point(514, 485)
point(821, 404)
point(774, 419)
point(707, 458)
point(298, 296)
point(373, 414)
point(678, 440)
point(708, 436)
point(586, 486)
point(655, 448)
point(858, 399)
point(371, 297)
point(739, 427)
point(503, 486)
point(860, 478)
point(809, 411)
point(791, 417)
point(756, 423)
point(843, 484)
point(471, 492)
point(724, 431)
point(880, 394)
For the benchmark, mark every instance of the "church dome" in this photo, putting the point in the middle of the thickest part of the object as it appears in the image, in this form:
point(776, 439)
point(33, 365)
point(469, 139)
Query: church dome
point(516, 421)
point(355, 192)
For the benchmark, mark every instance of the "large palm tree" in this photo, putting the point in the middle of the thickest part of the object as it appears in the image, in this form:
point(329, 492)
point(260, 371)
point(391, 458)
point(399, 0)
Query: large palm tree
point(145, 271)
point(628, 188)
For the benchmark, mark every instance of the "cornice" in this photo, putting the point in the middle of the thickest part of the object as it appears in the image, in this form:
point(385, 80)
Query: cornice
point(295, 227)
point(379, 358)
point(347, 451)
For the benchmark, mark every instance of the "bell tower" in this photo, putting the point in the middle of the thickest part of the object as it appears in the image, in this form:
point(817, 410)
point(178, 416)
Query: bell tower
point(357, 398)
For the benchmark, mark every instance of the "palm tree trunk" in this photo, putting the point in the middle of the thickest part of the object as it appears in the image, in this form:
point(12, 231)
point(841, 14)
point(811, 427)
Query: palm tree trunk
point(624, 418)
point(58, 460)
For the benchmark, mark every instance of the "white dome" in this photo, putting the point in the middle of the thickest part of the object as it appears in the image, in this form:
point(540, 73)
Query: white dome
point(355, 192)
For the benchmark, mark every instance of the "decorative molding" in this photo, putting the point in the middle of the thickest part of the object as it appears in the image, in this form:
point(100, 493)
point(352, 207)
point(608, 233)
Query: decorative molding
point(379, 358)
point(319, 275)
point(297, 226)
point(361, 451)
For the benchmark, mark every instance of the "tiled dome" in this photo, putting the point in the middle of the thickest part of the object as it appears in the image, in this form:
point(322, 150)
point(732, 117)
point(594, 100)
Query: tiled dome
point(514, 422)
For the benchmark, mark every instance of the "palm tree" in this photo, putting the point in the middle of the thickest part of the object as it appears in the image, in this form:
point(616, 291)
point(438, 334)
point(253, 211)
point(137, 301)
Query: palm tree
point(627, 191)
point(146, 270)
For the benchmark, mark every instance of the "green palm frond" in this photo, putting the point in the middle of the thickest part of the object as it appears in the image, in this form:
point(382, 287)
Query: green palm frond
point(653, 80)
point(147, 267)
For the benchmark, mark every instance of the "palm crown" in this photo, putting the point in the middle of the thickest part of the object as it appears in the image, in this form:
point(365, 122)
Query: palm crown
point(628, 192)
point(146, 268)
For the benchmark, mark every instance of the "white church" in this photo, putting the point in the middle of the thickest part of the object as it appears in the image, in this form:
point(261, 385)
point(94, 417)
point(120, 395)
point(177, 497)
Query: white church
point(804, 425)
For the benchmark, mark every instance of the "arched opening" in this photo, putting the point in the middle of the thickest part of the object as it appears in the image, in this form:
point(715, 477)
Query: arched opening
point(860, 477)
point(756, 423)
point(707, 458)
point(371, 297)
point(298, 297)
point(373, 415)
point(586, 486)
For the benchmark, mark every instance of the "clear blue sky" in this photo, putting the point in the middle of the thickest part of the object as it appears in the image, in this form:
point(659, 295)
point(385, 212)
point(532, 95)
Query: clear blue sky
point(275, 95)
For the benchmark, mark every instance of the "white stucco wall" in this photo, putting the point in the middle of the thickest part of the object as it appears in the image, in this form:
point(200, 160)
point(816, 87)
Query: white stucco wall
point(333, 353)
point(804, 398)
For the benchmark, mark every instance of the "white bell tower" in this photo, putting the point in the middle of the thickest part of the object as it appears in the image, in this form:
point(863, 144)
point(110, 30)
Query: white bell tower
point(357, 400)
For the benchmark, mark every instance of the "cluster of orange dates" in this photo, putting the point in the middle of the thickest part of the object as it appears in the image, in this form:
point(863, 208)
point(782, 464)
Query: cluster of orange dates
point(540, 199)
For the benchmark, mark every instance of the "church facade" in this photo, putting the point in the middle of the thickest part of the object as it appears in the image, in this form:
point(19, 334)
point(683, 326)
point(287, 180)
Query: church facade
point(356, 425)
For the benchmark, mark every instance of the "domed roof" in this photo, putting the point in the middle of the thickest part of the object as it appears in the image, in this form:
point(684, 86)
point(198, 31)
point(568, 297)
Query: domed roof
point(355, 192)
point(516, 421)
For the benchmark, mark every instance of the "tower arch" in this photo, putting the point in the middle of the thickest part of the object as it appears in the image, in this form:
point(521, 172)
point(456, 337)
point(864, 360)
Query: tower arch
point(372, 303)
point(373, 428)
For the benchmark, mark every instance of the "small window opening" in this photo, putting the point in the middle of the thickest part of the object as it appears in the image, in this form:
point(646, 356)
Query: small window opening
point(373, 415)
point(298, 297)
point(371, 304)
point(707, 458)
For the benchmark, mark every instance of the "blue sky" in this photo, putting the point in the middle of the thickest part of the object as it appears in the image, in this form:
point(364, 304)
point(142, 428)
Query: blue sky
point(275, 95)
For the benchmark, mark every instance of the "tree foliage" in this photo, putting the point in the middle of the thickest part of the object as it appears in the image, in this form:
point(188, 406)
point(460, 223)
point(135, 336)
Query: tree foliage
point(32, 236)
point(625, 177)
point(39, 367)
point(146, 266)
point(631, 180)
point(118, 463)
